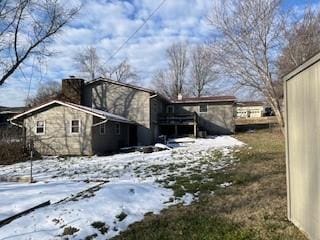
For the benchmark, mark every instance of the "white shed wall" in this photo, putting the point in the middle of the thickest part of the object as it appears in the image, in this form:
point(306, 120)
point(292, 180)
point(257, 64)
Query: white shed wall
point(303, 148)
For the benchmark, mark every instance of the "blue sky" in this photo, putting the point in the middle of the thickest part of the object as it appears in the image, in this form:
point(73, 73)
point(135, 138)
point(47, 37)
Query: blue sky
point(289, 3)
point(106, 24)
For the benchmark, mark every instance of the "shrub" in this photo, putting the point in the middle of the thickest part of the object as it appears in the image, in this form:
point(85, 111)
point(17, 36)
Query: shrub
point(69, 231)
point(12, 153)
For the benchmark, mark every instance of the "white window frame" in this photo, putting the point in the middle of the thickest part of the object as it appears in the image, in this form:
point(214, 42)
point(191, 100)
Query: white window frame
point(44, 127)
point(118, 129)
point(71, 126)
point(102, 126)
point(203, 104)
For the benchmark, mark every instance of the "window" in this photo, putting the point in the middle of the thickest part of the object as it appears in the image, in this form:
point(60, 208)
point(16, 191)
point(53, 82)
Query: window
point(170, 109)
point(102, 129)
point(203, 108)
point(40, 128)
point(117, 128)
point(75, 126)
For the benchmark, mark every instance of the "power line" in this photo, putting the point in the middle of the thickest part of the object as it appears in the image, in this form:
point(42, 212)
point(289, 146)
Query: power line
point(135, 32)
point(118, 49)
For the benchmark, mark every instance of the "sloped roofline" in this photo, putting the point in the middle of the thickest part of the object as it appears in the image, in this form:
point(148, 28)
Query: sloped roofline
point(185, 100)
point(250, 103)
point(94, 112)
point(127, 85)
point(211, 99)
point(120, 84)
point(308, 63)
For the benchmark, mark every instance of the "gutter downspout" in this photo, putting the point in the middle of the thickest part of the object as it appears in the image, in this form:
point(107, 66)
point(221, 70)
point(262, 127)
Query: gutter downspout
point(153, 96)
point(100, 123)
point(15, 124)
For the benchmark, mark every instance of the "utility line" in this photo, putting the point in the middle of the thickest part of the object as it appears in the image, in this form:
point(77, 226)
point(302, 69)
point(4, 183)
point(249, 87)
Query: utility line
point(118, 49)
point(135, 32)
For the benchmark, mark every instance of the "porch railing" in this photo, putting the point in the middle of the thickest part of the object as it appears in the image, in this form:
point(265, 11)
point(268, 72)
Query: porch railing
point(178, 119)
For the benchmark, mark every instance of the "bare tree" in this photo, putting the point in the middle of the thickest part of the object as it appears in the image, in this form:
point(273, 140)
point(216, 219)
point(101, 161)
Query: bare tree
point(91, 65)
point(171, 81)
point(88, 62)
point(163, 84)
point(50, 91)
point(123, 72)
point(177, 64)
point(302, 41)
point(202, 70)
point(249, 45)
point(26, 28)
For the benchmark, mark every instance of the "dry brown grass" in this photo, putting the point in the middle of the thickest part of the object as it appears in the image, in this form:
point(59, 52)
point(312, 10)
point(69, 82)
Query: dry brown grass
point(254, 207)
point(259, 204)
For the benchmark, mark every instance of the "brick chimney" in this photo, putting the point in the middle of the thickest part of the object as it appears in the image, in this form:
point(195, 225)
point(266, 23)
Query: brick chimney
point(72, 89)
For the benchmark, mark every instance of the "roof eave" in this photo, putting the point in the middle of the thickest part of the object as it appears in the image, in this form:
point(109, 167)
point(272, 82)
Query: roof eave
point(205, 101)
point(30, 111)
point(121, 84)
point(313, 60)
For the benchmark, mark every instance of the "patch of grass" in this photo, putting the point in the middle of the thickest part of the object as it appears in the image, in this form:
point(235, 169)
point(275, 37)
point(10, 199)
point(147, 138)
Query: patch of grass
point(183, 223)
point(121, 216)
point(156, 168)
point(91, 237)
point(101, 226)
point(69, 231)
point(216, 155)
point(254, 207)
point(203, 182)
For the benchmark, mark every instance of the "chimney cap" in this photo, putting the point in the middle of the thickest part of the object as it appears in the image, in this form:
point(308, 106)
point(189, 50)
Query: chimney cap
point(72, 76)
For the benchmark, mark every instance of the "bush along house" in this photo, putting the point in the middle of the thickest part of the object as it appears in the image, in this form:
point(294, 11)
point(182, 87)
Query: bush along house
point(102, 115)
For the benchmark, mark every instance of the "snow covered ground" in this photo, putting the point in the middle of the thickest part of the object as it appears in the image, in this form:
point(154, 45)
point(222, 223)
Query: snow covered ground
point(17, 197)
point(133, 188)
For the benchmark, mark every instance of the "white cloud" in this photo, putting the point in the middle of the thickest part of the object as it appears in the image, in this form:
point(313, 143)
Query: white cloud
point(106, 24)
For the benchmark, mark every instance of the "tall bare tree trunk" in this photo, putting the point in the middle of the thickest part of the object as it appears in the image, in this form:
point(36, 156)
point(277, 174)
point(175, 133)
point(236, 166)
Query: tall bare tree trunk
point(248, 48)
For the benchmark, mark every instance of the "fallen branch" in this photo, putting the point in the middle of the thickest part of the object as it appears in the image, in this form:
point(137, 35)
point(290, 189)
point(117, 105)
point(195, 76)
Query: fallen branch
point(18, 215)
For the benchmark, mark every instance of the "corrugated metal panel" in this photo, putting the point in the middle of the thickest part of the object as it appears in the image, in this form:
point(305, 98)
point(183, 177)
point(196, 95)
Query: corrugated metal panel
point(303, 150)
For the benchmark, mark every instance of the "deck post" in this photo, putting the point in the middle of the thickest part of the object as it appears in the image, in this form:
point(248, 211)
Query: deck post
point(175, 130)
point(195, 127)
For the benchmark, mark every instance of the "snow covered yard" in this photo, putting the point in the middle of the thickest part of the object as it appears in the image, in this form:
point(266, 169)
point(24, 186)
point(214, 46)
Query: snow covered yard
point(137, 184)
point(17, 197)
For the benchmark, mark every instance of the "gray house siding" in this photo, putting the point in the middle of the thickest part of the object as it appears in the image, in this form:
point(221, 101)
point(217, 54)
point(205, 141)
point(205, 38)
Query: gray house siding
point(110, 140)
point(219, 118)
point(157, 106)
point(128, 102)
point(57, 138)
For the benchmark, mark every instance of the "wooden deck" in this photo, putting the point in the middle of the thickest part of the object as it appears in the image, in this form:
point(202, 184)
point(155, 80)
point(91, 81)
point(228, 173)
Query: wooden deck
point(256, 121)
point(178, 119)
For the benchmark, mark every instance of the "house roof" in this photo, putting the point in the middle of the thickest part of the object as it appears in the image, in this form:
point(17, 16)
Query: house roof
point(184, 100)
point(206, 99)
point(250, 103)
point(308, 63)
point(120, 84)
point(11, 110)
point(101, 79)
point(95, 112)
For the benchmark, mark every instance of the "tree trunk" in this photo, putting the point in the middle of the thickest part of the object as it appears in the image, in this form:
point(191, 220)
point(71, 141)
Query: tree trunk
point(279, 114)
